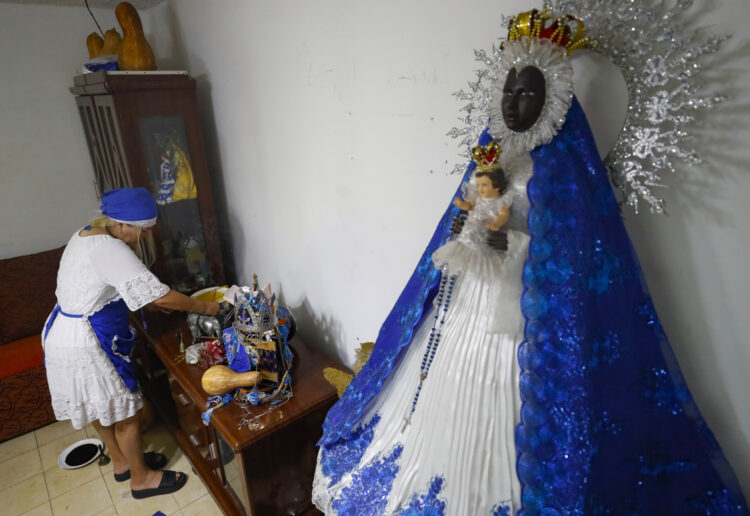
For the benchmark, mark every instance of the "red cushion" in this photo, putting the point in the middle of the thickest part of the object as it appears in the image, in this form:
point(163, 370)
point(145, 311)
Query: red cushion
point(21, 313)
point(20, 355)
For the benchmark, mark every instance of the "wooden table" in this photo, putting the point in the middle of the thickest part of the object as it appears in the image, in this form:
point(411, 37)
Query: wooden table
point(262, 471)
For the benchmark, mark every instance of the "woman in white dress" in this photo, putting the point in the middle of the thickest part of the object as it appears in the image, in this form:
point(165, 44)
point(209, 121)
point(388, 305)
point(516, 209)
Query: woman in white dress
point(87, 339)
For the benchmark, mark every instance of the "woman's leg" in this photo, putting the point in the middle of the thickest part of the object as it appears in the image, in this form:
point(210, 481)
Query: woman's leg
point(128, 435)
point(107, 435)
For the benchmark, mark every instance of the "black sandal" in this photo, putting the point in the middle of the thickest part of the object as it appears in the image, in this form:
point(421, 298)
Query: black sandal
point(154, 461)
point(169, 484)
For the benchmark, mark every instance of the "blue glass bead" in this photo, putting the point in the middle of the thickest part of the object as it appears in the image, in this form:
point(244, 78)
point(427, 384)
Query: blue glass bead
point(531, 387)
point(534, 303)
point(529, 279)
point(537, 332)
point(538, 190)
point(534, 274)
point(543, 446)
point(532, 499)
point(558, 270)
point(528, 359)
point(559, 306)
point(552, 469)
point(540, 249)
point(522, 436)
point(550, 358)
point(540, 221)
point(527, 467)
point(533, 415)
point(564, 222)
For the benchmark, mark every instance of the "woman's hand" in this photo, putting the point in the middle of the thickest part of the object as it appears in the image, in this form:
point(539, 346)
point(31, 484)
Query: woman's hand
point(212, 308)
point(174, 300)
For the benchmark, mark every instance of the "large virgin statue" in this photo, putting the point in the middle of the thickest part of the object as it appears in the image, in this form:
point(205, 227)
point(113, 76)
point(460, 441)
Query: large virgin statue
point(533, 380)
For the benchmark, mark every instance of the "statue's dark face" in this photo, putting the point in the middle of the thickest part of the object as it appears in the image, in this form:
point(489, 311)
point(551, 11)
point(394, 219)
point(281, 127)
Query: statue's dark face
point(523, 98)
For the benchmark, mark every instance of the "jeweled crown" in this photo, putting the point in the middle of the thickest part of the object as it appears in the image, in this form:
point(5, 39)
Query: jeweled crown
point(487, 157)
point(543, 25)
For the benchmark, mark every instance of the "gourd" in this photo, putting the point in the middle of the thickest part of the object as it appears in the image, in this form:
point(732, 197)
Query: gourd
point(135, 53)
point(112, 42)
point(94, 43)
point(220, 379)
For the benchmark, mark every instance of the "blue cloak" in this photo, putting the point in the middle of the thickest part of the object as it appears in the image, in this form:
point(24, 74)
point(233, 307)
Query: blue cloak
point(608, 426)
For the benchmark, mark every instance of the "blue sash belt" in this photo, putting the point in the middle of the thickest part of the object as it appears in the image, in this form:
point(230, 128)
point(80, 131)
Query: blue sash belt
point(112, 328)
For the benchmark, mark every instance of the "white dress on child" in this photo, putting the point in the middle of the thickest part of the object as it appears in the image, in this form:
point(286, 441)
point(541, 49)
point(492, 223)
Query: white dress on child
point(457, 444)
point(84, 385)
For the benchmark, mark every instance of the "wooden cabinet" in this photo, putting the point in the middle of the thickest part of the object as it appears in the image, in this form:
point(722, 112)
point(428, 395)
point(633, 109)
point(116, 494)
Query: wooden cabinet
point(142, 129)
point(264, 470)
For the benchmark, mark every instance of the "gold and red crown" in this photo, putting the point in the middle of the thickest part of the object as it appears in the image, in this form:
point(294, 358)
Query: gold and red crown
point(542, 25)
point(487, 157)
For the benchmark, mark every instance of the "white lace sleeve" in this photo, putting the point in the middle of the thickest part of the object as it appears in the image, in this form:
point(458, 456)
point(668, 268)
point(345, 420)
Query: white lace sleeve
point(504, 201)
point(117, 265)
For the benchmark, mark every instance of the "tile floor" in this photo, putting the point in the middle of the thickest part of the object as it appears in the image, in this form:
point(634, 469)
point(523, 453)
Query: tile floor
point(31, 482)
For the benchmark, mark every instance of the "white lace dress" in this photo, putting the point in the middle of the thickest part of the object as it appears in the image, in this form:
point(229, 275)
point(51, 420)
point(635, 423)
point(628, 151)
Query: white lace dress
point(84, 385)
point(458, 447)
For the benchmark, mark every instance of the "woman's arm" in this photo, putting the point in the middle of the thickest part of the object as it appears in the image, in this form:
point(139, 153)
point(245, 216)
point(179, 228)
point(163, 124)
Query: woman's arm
point(174, 300)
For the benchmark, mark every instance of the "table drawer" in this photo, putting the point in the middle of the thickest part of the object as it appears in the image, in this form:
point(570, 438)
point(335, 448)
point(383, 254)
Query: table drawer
point(189, 417)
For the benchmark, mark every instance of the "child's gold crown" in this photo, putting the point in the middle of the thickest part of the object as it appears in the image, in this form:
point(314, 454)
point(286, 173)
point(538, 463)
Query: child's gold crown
point(487, 157)
point(536, 24)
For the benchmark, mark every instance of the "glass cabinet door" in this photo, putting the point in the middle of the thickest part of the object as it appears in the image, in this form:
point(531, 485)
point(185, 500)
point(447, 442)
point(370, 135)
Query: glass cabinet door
point(171, 181)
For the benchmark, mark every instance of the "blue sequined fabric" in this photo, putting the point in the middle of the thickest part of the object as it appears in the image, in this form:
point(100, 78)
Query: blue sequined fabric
point(367, 495)
point(236, 354)
point(608, 425)
point(428, 504)
point(339, 458)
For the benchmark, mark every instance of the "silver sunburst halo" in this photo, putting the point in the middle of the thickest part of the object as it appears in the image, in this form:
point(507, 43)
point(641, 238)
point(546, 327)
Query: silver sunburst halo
point(660, 57)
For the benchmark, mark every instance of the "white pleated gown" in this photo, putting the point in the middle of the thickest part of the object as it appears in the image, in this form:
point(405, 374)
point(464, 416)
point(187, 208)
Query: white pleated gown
point(462, 429)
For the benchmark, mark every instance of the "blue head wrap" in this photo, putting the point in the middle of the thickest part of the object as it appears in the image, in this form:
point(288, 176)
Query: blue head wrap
point(134, 206)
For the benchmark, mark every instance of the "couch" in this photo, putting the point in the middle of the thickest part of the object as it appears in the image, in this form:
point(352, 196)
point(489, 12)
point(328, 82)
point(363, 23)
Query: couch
point(27, 296)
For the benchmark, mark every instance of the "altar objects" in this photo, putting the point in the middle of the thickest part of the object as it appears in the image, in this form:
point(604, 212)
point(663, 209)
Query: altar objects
point(225, 455)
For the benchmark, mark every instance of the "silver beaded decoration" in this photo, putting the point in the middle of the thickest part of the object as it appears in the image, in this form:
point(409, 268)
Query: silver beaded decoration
point(661, 56)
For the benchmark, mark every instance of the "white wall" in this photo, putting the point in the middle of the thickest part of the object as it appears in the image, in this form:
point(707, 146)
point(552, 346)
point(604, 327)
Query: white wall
point(46, 188)
point(325, 127)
